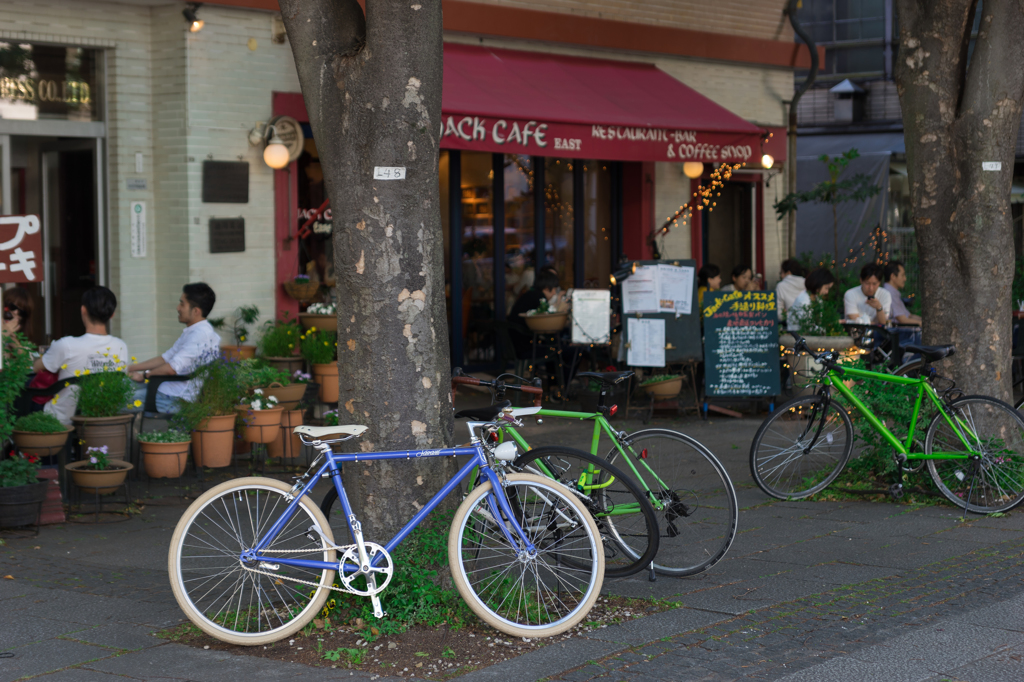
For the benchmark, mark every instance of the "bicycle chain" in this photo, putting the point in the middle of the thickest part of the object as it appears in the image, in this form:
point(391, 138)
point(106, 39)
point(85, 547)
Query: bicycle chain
point(299, 580)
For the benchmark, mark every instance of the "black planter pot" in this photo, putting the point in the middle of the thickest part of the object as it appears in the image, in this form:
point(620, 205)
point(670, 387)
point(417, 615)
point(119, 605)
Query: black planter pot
point(20, 505)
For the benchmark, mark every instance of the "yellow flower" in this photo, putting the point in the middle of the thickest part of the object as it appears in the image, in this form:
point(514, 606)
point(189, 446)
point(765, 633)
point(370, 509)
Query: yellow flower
point(291, 345)
point(242, 338)
point(147, 381)
point(325, 343)
point(54, 401)
point(133, 358)
point(86, 372)
point(78, 372)
point(312, 329)
point(64, 366)
point(138, 403)
point(66, 384)
point(117, 359)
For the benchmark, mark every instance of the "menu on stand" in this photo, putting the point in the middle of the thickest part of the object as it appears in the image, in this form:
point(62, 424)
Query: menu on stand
point(741, 344)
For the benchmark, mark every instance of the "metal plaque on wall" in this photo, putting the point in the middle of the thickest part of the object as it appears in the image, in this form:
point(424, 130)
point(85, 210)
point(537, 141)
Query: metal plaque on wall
point(227, 235)
point(226, 182)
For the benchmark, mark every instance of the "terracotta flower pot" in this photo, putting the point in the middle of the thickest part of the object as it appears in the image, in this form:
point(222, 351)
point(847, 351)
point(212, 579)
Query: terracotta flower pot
point(287, 445)
point(109, 431)
point(261, 426)
point(289, 364)
point(101, 482)
point(288, 397)
point(545, 322)
point(214, 441)
point(165, 460)
point(238, 352)
point(310, 320)
point(663, 390)
point(20, 504)
point(40, 444)
point(327, 377)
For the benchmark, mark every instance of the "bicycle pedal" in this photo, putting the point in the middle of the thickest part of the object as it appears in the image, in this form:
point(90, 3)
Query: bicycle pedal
point(896, 490)
point(378, 612)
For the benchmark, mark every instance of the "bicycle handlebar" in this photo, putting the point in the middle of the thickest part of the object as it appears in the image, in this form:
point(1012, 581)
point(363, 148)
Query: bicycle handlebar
point(459, 378)
point(827, 358)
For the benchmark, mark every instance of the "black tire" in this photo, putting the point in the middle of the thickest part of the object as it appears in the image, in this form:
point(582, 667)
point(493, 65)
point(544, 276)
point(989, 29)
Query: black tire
point(998, 484)
point(910, 369)
point(631, 539)
point(781, 462)
point(699, 514)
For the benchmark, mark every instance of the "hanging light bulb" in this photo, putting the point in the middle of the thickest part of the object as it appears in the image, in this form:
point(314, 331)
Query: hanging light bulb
point(767, 161)
point(693, 169)
point(276, 155)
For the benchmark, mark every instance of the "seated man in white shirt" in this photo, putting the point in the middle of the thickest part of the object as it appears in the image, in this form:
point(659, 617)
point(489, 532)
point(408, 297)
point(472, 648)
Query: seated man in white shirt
point(198, 344)
point(868, 303)
point(94, 351)
point(791, 285)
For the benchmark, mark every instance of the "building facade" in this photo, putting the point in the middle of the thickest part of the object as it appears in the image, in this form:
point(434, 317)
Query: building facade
point(134, 148)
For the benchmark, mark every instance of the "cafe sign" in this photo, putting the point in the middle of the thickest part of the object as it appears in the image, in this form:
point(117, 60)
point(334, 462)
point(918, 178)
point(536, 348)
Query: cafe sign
point(575, 140)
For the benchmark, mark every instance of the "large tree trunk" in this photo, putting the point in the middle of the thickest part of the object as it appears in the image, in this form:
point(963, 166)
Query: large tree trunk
point(956, 116)
point(372, 87)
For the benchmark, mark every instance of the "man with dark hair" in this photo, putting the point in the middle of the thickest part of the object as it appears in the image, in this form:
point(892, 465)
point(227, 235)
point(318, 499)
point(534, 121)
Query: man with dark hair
point(895, 280)
point(199, 343)
point(791, 284)
point(94, 351)
point(868, 303)
point(545, 287)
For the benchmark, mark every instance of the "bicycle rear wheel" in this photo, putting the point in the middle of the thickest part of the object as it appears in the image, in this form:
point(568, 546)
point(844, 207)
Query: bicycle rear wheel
point(259, 602)
point(801, 448)
point(993, 430)
point(516, 593)
point(699, 515)
point(624, 517)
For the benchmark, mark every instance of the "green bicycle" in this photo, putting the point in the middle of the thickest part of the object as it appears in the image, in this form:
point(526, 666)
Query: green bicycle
point(692, 495)
point(973, 446)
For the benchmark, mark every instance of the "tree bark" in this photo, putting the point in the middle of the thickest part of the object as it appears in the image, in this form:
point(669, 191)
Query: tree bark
point(372, 87)
point(957, 115)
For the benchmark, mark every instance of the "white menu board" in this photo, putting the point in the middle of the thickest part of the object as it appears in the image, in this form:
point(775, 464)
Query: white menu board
point(591, 315)
point(646, 342)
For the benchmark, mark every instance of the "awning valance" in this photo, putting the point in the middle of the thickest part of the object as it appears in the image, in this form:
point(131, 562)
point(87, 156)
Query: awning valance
point(553, 105)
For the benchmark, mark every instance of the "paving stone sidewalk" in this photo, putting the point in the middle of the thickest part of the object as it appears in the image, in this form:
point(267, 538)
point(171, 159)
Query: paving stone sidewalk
point(943, 597)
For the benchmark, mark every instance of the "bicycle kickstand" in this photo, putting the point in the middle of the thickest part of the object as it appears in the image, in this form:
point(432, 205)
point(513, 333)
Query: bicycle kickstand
point(974, 477)
point(896, 489)
point(652, 577)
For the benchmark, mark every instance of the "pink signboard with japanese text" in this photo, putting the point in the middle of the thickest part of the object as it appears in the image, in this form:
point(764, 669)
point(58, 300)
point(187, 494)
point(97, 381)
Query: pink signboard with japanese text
point(21, 249)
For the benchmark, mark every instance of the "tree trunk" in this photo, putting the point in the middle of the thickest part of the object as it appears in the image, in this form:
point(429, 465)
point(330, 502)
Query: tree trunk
point(956, 116)
point(372, 87)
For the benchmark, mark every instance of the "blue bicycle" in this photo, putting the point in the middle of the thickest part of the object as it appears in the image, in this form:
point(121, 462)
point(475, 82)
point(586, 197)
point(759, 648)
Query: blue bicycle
point(253, 560)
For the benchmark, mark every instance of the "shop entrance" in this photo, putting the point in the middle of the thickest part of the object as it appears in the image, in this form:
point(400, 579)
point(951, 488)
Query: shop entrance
point(58, 180)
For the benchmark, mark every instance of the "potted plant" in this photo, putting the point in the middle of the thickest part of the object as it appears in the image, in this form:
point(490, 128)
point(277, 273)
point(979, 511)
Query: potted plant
point(544, 318)
point(99, 473)
point(822, 329)
point(21, 492)
point(320, 349)
point(40, 434)
point(301, 288)
point(165, 453)
point(288, 445)
point(256, 373)
point(322, 315)
point(662, 386)
point(279, 344)
point(102, 399)
point(211, 416)
point(245, 317)
point(261, 418)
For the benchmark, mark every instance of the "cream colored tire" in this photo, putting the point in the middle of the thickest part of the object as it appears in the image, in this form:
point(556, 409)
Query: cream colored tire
point(203, 563)
point(475, 539)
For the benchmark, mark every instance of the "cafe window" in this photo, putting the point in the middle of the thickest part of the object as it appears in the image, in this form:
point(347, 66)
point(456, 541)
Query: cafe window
point(597, 224)
point(478, 255)
point(519, 227)
point(47, 82)
point(559, 219)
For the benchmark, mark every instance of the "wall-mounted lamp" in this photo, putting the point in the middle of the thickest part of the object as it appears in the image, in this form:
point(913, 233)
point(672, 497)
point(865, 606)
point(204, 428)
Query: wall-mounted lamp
point(767, 161)
point(617, 277)
point(195, 24)
point(693, 169)
point(275, 154)
point(283, 140)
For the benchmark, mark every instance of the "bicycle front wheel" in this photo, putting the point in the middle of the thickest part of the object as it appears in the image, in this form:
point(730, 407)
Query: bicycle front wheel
point(801, 448)
point(624, 517)
point(699, 514)
point(520, 594)
point(256, 602)
point(994, 432)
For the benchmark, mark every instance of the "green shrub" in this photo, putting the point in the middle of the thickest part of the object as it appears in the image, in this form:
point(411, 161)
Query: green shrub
point(17, 470)
point(658, 377)
point(821, 317)
point(221, 389)
point(17, 366)
point(168, 436)
point(256, 373)
point(319, 347)
point(280, 339)
point(105, 394)
point(39, 422)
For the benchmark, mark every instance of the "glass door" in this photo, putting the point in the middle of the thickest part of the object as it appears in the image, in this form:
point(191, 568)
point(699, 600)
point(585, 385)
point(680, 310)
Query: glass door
point(6, 207)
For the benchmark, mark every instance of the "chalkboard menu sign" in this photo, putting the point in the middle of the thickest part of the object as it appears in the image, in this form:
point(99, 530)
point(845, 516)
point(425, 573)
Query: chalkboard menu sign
point(741, 344)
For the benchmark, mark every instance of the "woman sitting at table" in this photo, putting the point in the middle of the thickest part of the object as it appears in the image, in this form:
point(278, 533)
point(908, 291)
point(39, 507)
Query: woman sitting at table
point(742, 279)
point(709, 278)
point(817, 284)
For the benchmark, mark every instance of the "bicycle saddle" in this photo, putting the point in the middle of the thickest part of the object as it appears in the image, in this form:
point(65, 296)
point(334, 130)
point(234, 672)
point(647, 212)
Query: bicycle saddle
point(317, 432)
point(607, 377)
point(483, 414)
point(930, 353)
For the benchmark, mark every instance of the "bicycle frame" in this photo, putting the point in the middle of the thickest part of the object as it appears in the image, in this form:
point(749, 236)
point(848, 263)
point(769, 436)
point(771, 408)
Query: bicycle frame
point(923, 388)
point(477, 461)
point(600, 423)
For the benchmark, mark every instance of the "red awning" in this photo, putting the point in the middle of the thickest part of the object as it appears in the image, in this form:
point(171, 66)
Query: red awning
point(552, 105)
